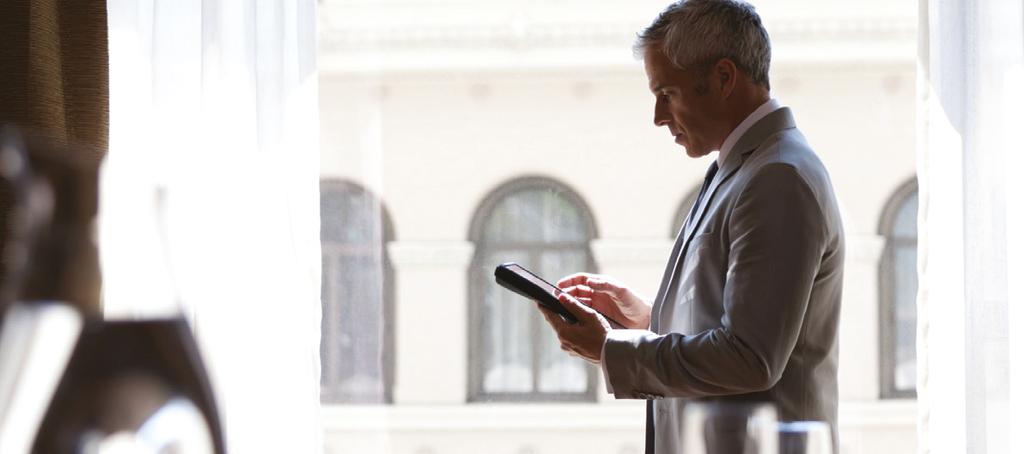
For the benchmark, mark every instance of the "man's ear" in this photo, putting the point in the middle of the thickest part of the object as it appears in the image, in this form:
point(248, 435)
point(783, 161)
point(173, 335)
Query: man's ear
point(723, 75)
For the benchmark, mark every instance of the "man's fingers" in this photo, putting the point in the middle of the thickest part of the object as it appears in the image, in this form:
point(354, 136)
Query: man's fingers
point(579, 291)
point(603, 286)
point(573, 279)
point(575, 307)
point(589, 302)
point(599, 284)
point(582, 294)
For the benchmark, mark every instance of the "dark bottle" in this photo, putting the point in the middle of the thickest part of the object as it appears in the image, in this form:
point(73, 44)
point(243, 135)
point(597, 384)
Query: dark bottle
point(129, 385)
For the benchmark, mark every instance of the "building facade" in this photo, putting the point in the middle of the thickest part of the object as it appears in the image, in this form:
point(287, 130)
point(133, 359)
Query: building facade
point(459, 134)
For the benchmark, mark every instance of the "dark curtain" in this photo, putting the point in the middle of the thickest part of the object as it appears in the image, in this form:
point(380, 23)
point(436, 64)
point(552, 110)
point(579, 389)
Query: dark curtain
point(54, 80)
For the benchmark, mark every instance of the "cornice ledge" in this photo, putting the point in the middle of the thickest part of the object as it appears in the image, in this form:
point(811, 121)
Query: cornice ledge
point(518, 35)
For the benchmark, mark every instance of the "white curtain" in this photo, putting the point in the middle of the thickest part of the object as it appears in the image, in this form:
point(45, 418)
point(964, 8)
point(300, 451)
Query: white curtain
point(214, 112)
point(971, 300)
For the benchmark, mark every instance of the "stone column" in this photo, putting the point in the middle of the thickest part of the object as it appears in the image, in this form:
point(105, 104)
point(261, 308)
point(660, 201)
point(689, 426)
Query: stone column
point(431, 317)
point(637, 263)
point(858, 326)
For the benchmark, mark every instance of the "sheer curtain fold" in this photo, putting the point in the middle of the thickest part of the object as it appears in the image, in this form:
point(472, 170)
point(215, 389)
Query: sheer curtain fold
point(970, 262)
point(214, 111)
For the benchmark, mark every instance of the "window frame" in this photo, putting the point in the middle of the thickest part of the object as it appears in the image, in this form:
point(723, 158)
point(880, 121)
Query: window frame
point(887, 292)
point(476, 289)
point(336, 397)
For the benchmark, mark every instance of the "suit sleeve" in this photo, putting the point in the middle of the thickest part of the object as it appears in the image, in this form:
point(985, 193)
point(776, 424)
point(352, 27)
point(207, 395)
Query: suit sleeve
point(777, 236)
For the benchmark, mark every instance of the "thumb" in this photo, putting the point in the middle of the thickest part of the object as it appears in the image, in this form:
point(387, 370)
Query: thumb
point(575, 307)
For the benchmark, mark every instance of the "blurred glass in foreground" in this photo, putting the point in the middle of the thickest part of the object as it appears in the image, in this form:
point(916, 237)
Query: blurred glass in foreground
point(72, 382)
point(805, 437)
point(730, 428)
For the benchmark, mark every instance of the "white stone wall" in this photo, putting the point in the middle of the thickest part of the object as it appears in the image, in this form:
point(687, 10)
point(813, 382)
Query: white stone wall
point(432, 105)
point(612, 428)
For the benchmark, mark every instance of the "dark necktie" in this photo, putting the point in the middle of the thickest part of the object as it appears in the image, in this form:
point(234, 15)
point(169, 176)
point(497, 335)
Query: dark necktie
point(710, 175)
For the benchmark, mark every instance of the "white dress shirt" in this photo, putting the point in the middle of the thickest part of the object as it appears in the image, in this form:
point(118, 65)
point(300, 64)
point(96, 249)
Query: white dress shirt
point(730, 141)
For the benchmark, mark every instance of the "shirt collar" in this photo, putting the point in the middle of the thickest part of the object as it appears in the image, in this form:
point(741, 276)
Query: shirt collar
point(762, 111)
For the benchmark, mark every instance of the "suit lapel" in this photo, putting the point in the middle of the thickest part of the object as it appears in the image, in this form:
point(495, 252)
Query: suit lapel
point(774, 122)
point(666, 278)
point(683, 240)
point(732, 164)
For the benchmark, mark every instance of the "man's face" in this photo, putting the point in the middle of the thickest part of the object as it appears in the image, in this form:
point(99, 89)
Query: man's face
point(683, 103)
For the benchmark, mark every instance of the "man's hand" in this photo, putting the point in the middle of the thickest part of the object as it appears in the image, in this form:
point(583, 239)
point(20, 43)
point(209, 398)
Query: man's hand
point(610, 297)
point(585, 338)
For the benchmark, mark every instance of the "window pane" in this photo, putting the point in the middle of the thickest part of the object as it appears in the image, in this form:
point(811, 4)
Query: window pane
point(900, 312)
point(560, 372)
point(360, 328)
point(354, 356)
point(506, 332)
point(536, 215)
point(905, 221)
point(905, 317)
point(349, 218)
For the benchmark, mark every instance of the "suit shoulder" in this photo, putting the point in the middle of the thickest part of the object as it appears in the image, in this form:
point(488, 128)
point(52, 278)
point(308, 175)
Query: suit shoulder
point(786, 147)
point(787, 158)
point(789, 148)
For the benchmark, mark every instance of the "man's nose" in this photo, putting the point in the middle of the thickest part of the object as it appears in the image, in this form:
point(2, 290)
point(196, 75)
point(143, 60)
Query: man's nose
point(661, 117)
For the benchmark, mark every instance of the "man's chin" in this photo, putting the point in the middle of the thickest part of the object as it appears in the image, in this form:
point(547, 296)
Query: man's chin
point(694, 152)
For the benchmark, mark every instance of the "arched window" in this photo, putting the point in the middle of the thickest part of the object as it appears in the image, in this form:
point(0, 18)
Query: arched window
point(898, 294)
point(684, 210)
point(356, 297)
point(513, 355)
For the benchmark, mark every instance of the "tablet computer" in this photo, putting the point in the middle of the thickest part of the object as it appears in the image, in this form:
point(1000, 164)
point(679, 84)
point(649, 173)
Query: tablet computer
point(520, 280)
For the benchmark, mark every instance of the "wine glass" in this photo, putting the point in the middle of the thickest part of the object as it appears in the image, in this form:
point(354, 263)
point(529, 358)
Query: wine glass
point(805, 437)
point(730, 428)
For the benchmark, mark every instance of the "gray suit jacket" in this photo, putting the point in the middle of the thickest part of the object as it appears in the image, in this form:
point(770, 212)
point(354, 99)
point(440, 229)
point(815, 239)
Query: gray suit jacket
point(748, 307)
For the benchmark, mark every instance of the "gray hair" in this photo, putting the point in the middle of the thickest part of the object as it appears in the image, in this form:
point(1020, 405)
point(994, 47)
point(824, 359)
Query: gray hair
point(694, 34)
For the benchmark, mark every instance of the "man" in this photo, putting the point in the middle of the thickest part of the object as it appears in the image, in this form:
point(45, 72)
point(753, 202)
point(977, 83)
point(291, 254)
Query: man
point(748, 308)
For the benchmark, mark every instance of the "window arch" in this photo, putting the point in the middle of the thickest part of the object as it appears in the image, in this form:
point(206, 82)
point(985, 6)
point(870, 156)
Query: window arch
point(898, 294)
point(513, 355)
point(356, 346)
point(684, 210)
